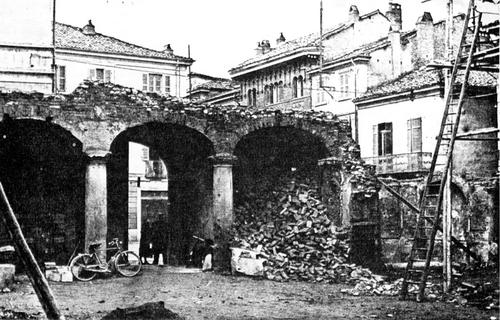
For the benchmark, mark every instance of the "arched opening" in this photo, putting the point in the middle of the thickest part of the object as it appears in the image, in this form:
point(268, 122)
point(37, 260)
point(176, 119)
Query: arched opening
point(269, 160)
point(254, 97)
point(42, 168)
point(300, 86)
point(271, 94)
point(294, 87)
point(159, 210)
point(250, 98)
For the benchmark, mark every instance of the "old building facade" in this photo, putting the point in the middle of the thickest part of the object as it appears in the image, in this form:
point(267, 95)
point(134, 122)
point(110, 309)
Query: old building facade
point(398, 124)
point(83, 53)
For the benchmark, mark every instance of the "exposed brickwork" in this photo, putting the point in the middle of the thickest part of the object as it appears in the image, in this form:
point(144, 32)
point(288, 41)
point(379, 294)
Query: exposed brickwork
point(99, 114)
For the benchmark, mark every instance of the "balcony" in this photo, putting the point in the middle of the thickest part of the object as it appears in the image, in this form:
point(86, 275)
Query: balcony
point(414, 162)
point(295, 103)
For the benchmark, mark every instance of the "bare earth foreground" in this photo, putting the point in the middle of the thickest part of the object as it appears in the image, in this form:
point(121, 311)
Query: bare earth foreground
point(213, 296)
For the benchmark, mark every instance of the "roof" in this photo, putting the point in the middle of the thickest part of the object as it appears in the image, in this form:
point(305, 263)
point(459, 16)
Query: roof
point(220, 84)
point(420, 79)
point(70, 37)
point(206, 76)
point(289, 47)
point(363, 51)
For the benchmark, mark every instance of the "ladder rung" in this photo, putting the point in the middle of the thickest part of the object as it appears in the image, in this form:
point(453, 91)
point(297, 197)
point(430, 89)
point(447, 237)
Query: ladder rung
point(416, 271)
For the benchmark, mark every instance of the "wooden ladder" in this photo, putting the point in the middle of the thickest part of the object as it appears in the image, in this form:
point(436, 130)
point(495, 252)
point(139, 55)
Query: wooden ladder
point(431, 201)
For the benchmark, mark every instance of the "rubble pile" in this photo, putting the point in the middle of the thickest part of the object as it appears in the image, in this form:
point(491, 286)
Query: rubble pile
point(98, 92)
point(285, 220)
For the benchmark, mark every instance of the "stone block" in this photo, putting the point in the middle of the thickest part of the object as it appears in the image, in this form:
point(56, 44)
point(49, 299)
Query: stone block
point(7, 272)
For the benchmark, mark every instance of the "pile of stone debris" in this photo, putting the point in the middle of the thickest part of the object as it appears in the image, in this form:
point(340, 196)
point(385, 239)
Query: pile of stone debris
point(98, 92)
point(286, 222)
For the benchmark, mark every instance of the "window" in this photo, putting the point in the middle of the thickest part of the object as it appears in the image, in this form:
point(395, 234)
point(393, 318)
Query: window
point(382, 139)
point(271, 94)
point(107, 75)
point(252, 97)
point(99, 74)
point(167, 84)
point(294, 87)
point(249, 97)
point(61, 78)
point(320, 92)
point(344, 85)
point(152, 82)
point(144, 82)
point(415, 135)
point(300, 86)
point(281, 96)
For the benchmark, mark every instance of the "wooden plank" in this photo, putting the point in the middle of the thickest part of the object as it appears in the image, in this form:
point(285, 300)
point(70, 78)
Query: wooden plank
point(477, 132)
point(39, 282)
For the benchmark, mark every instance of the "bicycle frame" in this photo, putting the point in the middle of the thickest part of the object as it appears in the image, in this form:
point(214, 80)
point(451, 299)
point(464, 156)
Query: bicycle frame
point(106, 264)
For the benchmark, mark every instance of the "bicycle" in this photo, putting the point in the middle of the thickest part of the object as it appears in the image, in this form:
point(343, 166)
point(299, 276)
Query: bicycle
point(86, 266)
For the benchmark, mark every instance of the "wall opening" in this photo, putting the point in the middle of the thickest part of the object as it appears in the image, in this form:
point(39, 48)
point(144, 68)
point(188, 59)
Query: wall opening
point(159, 209)
point(42, 168)
point(268, 161)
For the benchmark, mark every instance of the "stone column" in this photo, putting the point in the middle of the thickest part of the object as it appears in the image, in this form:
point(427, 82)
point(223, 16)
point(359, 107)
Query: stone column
point(222, 208)
point(96, 201)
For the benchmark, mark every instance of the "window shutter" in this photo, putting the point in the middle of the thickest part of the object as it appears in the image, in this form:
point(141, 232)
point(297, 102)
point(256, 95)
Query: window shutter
point(91, 74)
point(107, 75)
point(144, 82)
point(388, 139)
point(375, 140)
point(414, 135)
point(417, 135)
point(167, 84)
point(409, 135)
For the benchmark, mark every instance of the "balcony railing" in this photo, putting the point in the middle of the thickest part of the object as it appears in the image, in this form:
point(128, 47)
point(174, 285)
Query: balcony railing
point(295, 103)
point(402, 163)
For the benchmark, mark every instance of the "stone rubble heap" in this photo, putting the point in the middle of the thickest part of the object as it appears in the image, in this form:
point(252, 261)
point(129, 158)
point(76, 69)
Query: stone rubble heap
point(98, 92)
point(286, 221)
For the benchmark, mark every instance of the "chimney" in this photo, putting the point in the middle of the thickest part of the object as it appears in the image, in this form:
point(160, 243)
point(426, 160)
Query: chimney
point(424, 41)
point(258, 50)
point(266, 46)
point(280, 40)
point(353, 13)
point(396, 52)
point(89, 29)
point(168, 49)
point(394, 16)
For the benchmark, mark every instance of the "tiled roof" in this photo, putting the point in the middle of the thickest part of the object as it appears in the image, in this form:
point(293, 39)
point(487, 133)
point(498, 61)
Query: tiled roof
point(69, 37)
point(221, 84)
point(290, 47)
point(422, 78)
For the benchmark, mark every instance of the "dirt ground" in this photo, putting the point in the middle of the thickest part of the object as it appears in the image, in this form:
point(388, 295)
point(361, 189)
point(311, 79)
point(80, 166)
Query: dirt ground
point(213, 296)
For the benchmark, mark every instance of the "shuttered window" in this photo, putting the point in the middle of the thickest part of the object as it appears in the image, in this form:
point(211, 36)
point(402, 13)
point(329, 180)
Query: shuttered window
point(107, 75)
point(99, 74)
point(375, 140)
point(145, 82)
point(414, 135)
point(61, 79)
point(167, 84)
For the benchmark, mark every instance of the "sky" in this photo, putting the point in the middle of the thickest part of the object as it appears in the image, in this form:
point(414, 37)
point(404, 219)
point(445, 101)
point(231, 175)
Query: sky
point(224, 33)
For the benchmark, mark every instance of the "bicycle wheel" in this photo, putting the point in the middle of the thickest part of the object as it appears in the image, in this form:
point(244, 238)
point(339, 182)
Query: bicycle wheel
point(80, 265)
point(128, 264)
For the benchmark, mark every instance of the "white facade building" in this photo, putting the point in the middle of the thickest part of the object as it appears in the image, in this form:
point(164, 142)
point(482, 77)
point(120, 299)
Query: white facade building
point(82, 53)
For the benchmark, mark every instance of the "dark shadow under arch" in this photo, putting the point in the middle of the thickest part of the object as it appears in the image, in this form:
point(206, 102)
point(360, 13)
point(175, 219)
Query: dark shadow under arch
point(42, 168)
